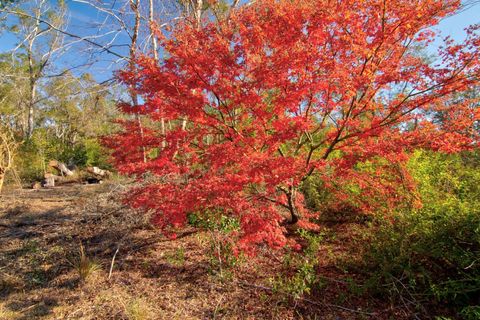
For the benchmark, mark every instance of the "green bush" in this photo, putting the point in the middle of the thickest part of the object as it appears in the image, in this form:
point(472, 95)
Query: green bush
point(317, 197)
point(304, 265)
point(213, 220)
point(223, 259)
point(432, 255)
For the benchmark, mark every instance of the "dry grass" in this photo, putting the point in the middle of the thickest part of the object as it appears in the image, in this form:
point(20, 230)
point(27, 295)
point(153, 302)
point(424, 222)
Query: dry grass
point(84, 265)
point(152, 278)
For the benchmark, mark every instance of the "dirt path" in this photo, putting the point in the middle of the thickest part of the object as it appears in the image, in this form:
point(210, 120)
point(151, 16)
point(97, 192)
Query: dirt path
point(41, 233)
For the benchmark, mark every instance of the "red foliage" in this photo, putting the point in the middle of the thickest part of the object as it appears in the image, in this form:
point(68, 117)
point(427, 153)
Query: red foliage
point(284, 89)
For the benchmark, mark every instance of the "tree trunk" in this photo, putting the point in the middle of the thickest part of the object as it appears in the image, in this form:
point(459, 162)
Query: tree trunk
point(291, 205)
point(198, 13)
point(155, 56)
point(31, 102)
point(135, 7)
point(30, 121)
point(33, 76)
point(8, 146)
point(152, 34)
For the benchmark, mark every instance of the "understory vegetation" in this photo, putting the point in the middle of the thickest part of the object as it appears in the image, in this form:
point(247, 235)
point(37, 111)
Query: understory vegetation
point(419, 263)
point(424, 259)
point(431, 254)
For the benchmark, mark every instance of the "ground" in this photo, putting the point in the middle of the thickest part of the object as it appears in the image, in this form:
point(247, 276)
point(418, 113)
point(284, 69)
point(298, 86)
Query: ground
point(43, 274)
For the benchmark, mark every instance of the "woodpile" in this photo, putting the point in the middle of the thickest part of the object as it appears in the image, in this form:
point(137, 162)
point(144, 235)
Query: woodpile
point(65, 174)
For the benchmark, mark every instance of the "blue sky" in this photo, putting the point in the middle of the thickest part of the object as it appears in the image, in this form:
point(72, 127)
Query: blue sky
point(455, 25)
point(83, 16)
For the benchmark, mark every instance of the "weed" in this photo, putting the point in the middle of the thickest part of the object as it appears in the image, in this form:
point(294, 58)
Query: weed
point(354, 287)
point(37, 277)
point(223, 260)
point(471, 313)
point(9, 283)
point(118, 300)
point(213, 220)
point(176, 258)
point(29, 247)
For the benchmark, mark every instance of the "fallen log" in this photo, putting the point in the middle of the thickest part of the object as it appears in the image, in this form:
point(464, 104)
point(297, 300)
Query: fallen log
point(98, 172)
point(51, 180)
point(61, 167)
point(66, 175)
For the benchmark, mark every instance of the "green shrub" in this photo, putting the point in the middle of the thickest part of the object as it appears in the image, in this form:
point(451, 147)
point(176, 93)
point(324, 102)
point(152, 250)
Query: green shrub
point(95, 154)
point(222, 257)
point(213, 220)
point(432, 254)
point(317, 197)
point(30, 162)
point(304, 265)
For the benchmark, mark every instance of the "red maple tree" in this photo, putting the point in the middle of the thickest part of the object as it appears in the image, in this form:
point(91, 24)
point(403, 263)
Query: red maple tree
point(283, 90)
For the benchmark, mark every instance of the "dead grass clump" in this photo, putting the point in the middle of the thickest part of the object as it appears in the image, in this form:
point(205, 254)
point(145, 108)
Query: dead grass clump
point(84, 265)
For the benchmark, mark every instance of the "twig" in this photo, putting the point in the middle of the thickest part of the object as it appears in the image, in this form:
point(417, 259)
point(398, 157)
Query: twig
point(72, 35)
point(113, 261)
point(471, 265)
point(217, 306)
point(28, 308)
